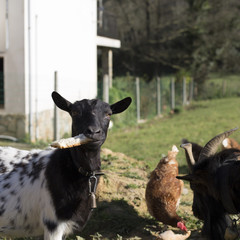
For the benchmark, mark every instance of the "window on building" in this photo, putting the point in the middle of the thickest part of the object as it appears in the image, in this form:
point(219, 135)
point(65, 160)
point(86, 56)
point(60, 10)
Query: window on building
point(1, 82)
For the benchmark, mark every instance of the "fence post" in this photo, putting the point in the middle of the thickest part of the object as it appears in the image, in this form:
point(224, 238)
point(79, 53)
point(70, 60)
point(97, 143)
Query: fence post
point(106, 88)
point(159, 96)
point(138, 98)
point(172, 93)
point(55, 118)
point(191, 88)
point(110, 67)
point(184, 91)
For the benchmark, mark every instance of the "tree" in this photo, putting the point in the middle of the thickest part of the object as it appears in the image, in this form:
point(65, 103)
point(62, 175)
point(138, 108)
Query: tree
point(162, 36)
point(152, 35)
point(217, 43)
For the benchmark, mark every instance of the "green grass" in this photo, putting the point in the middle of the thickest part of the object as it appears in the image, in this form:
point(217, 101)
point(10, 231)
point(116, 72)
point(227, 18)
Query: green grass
point(131, 175)
point(132, 186)
point(218, 86)
point(199, 122)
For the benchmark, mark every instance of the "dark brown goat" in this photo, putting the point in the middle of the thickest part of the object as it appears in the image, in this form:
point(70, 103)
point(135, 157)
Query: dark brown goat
point(215, 181)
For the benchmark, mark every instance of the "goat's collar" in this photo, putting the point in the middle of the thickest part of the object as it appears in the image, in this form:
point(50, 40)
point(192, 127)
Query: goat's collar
point(79, 154)
point(89, 173)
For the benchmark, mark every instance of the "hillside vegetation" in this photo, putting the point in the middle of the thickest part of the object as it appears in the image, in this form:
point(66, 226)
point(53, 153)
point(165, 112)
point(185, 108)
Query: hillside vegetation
point(198, 122)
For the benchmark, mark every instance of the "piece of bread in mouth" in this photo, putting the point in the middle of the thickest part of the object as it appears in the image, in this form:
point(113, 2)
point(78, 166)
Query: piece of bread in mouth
point(71, 142)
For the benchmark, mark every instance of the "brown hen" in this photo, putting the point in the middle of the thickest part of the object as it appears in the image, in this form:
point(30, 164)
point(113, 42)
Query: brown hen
point(230, 143)
point(163, 191)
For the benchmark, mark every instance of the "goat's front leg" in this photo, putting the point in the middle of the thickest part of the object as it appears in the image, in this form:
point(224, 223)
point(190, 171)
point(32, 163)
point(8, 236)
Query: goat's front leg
point(56, 234)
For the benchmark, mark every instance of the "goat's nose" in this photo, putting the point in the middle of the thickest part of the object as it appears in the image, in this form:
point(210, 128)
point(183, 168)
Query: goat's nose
point(93, 130)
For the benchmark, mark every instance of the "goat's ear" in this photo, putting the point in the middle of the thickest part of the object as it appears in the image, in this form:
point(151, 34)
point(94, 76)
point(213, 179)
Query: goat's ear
point(61, 102)
point(121, 106)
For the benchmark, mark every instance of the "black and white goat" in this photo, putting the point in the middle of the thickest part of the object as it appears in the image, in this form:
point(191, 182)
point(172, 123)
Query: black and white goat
point(215, 181)
point(51, 192)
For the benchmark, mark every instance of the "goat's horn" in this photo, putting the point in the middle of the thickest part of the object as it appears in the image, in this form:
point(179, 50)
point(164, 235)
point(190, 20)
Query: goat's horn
point(71, 142)
point(189, 155)
point(211, 147)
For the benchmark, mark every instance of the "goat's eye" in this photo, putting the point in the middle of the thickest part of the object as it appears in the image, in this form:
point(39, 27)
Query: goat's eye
point(108, 115)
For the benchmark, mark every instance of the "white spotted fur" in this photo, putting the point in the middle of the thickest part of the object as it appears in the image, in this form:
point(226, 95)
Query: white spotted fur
point(35, 201)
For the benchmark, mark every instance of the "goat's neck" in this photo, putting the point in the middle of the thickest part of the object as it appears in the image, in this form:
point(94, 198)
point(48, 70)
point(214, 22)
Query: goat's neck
point(88, 159)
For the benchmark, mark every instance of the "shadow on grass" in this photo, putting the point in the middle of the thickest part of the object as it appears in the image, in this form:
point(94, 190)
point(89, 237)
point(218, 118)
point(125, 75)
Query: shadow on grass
point(116, 218)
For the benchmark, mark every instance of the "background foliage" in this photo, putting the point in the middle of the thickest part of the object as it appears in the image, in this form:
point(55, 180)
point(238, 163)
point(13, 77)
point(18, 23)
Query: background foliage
point(162, 37)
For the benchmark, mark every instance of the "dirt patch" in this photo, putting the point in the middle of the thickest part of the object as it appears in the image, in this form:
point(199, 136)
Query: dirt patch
point(125, 178)
point(122, 211)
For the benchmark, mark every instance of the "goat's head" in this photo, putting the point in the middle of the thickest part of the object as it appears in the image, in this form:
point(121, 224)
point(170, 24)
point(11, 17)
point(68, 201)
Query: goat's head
point(200, 172)
point(91, 117)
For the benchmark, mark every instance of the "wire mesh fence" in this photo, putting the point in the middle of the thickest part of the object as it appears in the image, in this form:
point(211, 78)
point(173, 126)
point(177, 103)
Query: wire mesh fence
point(150, 99)
point(167, 94)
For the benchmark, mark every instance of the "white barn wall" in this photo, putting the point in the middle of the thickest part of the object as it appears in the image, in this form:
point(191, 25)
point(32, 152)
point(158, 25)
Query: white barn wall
point(63, 39)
